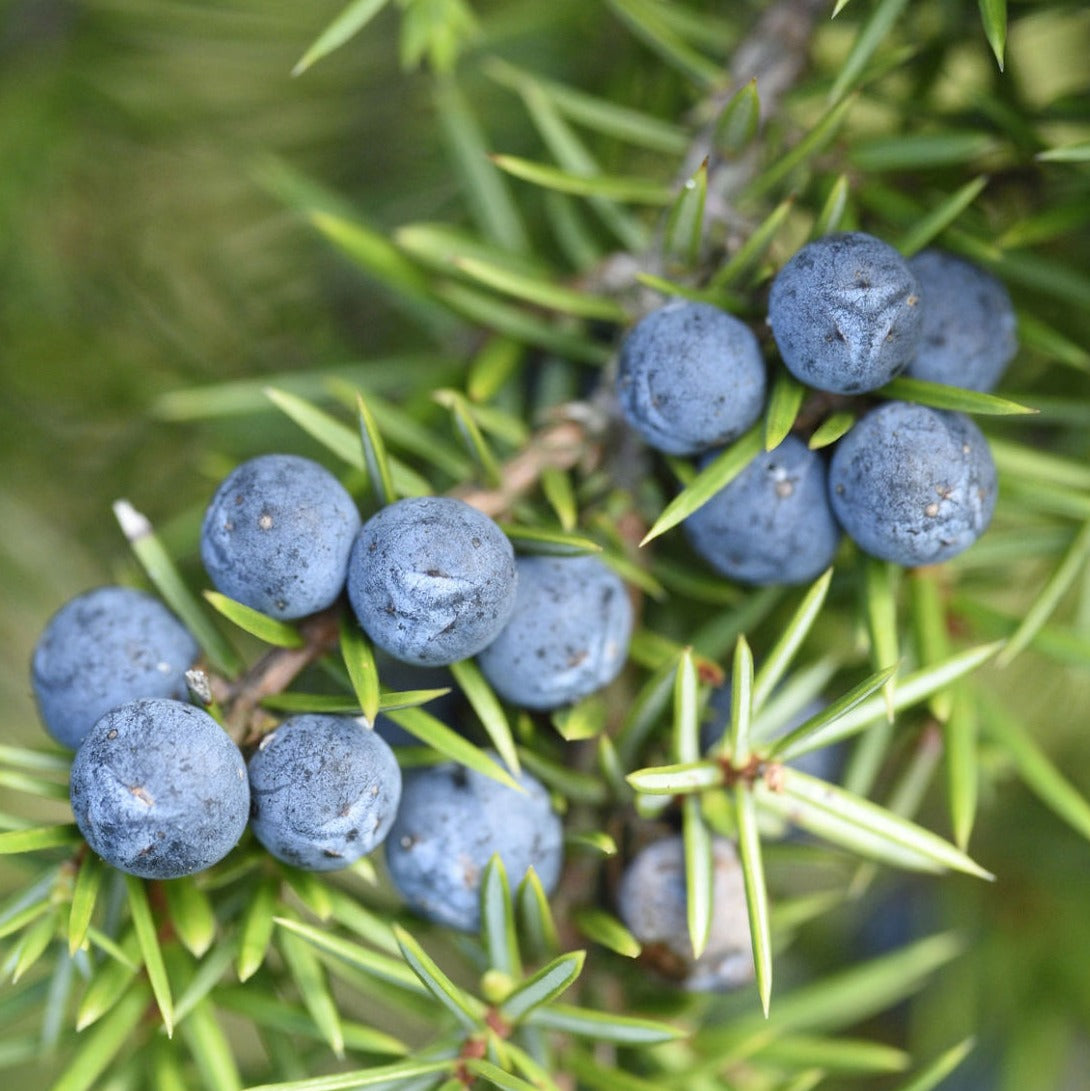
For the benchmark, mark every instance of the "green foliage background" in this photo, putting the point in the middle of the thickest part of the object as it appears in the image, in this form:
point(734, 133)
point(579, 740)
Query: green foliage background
point(154, 238)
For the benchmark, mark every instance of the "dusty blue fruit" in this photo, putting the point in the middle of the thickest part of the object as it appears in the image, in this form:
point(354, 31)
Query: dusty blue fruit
point(432, 580)
point(568, 635)
point(277, 536)
point(450, 823)
point(913, 485)
point(969, 332)
point(652, 902)
point(691, 377)
point(159, 789)
point(773, 523)
point(844, 313)
point(102, 649)
point(323, 791)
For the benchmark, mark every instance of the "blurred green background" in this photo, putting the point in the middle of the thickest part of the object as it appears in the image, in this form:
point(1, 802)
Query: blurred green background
point(143, 250)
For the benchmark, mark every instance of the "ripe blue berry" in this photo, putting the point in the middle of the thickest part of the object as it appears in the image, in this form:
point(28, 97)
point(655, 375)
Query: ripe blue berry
point(568, 635)
point(432, 580)
point(102, 649)
point(844, 313)
point(159, 789)
point(772, 523)
point(323, 791)
point(691, 377)
point(969, 329)
point(450, 823)
point(277, 535)
point(913, 485)
point(652, 902)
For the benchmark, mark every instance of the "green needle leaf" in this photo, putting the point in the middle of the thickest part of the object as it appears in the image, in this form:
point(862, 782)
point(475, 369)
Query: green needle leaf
point(939, 396)
point(719, 473)
point(685, 223)
point(880, 605)
point(753, 249)
point(681, 779)
point(84, 897)
point(784, 403)
point(815, 141)
point(327, 430)
point(760, 928)
point(257, 927)
point(548, 541)
point(832, 212)
point(1034, 767)
point(468, 1010)
point(210, 1049)
point(942, 1066)
point(790, 640)
point(603, 1026)
point(699, 876)
point(100, 1049)
point(485, 190)
point(541, 293)
point(686, 709)
point(544, 986)
point(1051, 594)
point(1069, 153)
point(385, 1076)
point(869, 817)
point(741, 703)
point(536, 915)
point(603, 928)
point(268, 629)
point(498, 933)
point(737, 124)
point(38, 838)
point(857, 709)
point(148, 939)
point(352, 19)
point(634, 190)
point(359, 661)
point(831, 429)
point(163, 573)
point(192, 915)
point(374, 455)
point(487, 706)
point(960, 733)
point(310, 983)
point(382, 967)
point(450, 744)
point(870, 37)
point(993, 14)
point(929, 227)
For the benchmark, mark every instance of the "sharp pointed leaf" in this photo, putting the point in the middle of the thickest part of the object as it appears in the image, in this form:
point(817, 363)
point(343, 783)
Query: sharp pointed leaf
point(468, 1010)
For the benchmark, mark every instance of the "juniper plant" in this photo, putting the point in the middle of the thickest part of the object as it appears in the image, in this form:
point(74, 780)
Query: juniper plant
point(604, 160)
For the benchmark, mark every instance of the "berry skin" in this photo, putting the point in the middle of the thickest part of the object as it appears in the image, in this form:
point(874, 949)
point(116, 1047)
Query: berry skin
point(159, 789)
point(277, 535)
point(432, 580)
point(323, 791)
point(913, 485)
point(969, 332)
point(450, 823)
point(772, 523)
point(652, 903)
point(691, 377)
point(844, 313)
point(567, 637)
point(102, 649)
